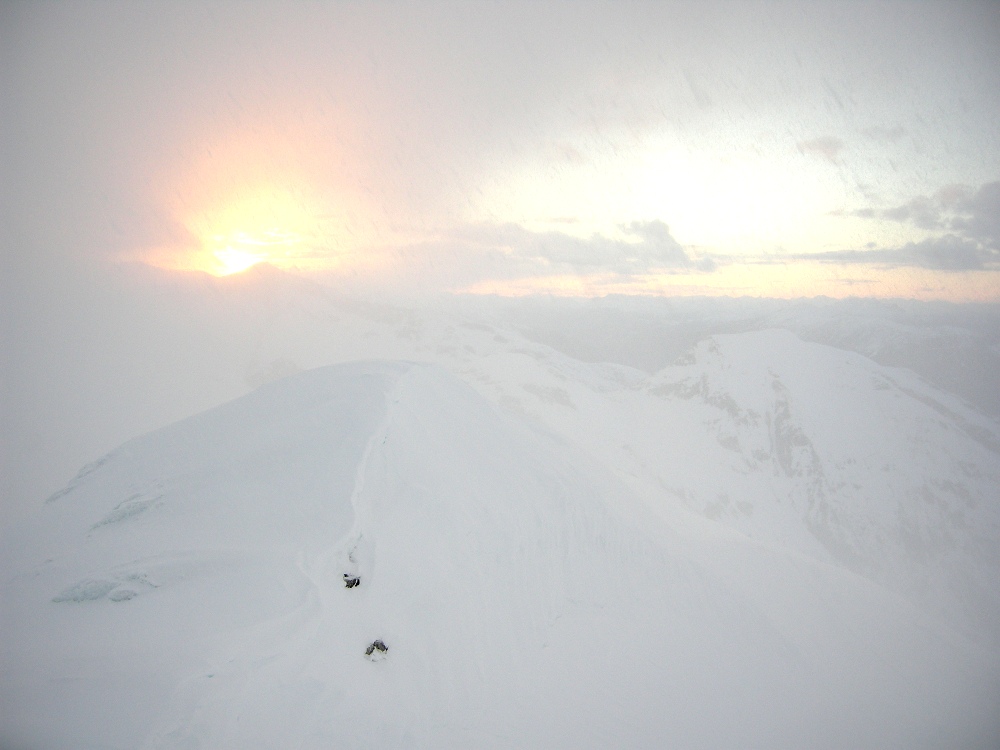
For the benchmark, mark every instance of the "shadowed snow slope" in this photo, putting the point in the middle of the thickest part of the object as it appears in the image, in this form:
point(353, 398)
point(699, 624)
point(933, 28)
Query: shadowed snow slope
point(188, 591)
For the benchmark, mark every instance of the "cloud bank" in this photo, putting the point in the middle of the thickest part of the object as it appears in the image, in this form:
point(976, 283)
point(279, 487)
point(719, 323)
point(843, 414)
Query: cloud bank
point(507, 251)
point(648, 246)
point(967, 218)
point(946, 253)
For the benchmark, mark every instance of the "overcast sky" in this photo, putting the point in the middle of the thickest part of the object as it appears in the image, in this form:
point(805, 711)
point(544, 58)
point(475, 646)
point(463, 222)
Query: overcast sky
point(783, 149)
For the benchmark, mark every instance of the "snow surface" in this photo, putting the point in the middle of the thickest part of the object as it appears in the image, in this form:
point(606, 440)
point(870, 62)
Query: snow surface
point(771, 544)
point(129, 349)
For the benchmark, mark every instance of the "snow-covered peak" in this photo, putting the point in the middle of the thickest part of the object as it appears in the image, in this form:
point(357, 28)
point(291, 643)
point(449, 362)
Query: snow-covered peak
point(225, 582)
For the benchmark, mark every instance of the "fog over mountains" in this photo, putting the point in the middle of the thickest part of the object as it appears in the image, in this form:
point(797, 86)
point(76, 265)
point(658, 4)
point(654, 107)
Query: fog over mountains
point(333, 413)
point(619, 522)
point(110, 352)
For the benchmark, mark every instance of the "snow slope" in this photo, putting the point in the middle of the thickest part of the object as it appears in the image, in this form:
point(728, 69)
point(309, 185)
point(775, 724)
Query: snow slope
point(799, 445)
point(135, 348)
point(954, 347)
point(187, 591)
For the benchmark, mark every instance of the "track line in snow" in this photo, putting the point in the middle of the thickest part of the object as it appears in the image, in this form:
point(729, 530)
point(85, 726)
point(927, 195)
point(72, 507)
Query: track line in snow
point(280, 648)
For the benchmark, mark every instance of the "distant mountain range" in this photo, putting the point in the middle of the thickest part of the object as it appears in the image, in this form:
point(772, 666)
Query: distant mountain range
point(128, 349)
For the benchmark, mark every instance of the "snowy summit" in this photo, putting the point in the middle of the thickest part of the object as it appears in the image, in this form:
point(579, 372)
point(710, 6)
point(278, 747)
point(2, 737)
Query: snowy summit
point(371, 555)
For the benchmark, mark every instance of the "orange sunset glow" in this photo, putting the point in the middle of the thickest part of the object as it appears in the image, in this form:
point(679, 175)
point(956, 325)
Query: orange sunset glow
point(774, 280)
point(259, 225)
point(255, 192)
point(765, 198)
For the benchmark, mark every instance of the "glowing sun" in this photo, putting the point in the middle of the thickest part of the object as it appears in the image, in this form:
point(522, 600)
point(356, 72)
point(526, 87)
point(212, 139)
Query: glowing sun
point(239, 251)
point(261, 225)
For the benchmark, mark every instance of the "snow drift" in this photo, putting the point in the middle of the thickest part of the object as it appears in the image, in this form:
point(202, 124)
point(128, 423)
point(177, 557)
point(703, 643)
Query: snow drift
point(188, 591)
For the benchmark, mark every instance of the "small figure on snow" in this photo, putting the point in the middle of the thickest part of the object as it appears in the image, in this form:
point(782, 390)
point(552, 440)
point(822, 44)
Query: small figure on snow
point(377, 645)
point(351, 581)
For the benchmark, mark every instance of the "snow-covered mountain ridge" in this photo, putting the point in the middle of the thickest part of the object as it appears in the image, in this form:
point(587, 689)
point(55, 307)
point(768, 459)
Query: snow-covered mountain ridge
point(139, 348)
point(797, 444)
point(189, 591)
point(765, 511)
